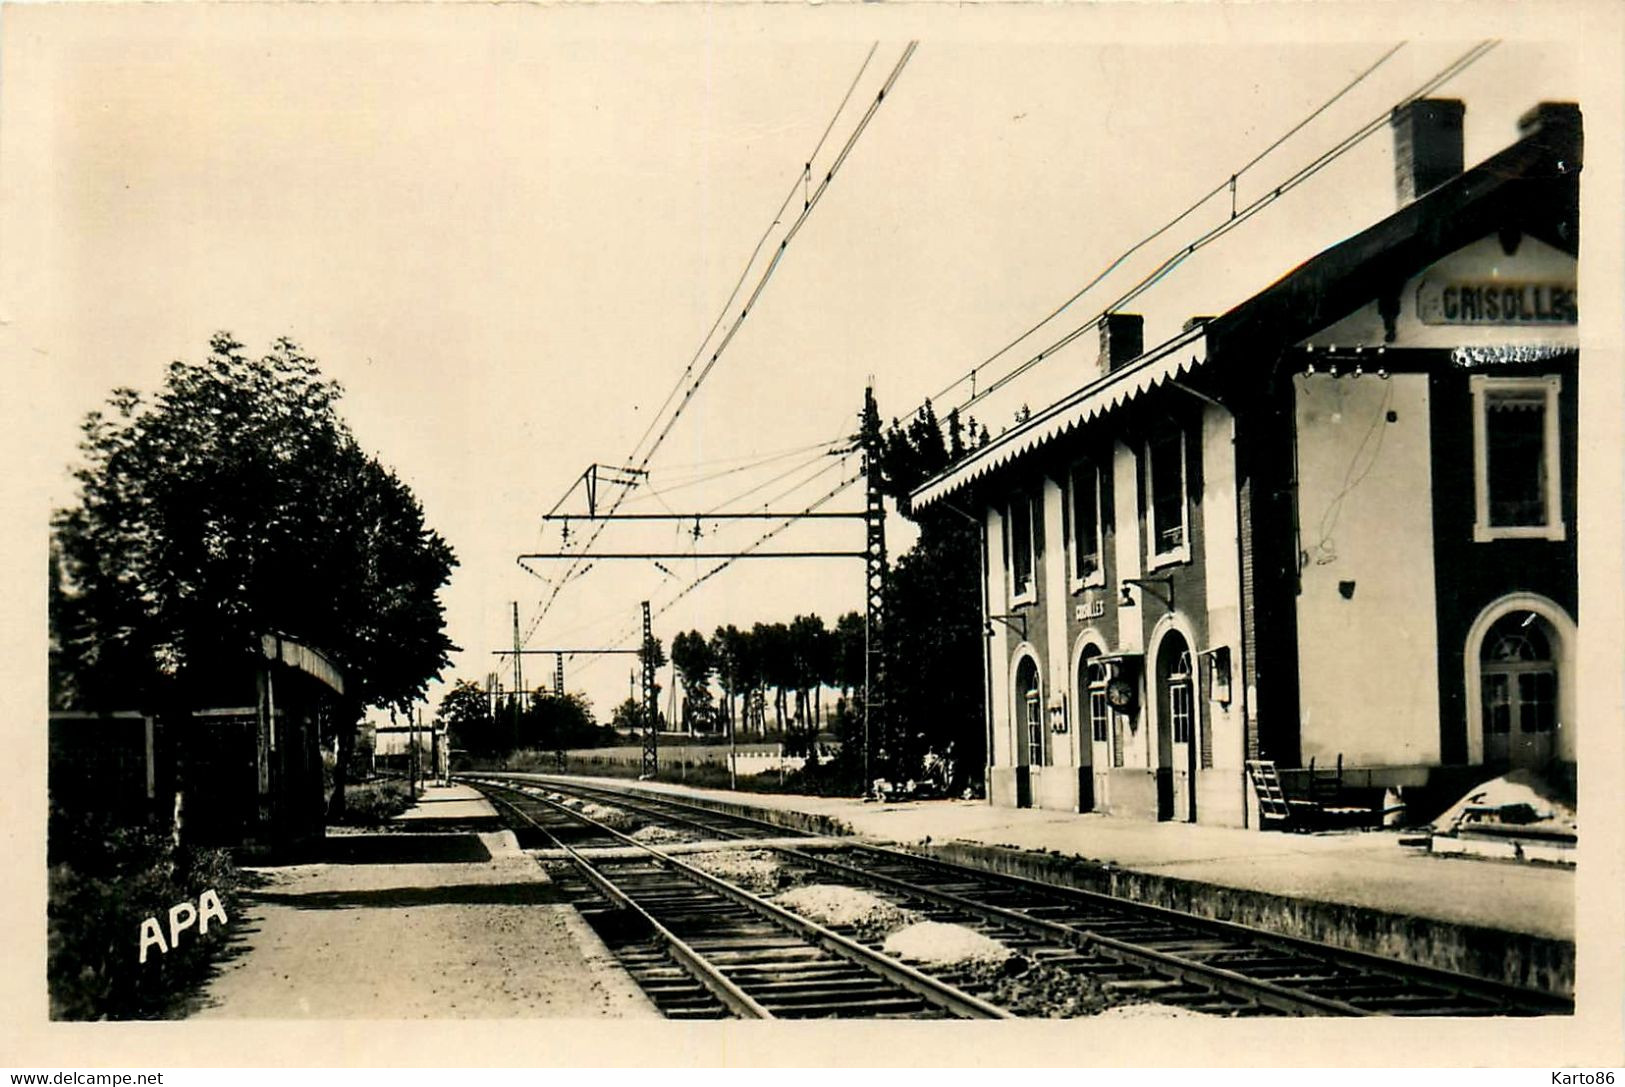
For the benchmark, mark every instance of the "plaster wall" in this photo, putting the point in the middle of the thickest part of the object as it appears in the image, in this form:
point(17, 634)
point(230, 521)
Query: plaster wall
point(1367, 626)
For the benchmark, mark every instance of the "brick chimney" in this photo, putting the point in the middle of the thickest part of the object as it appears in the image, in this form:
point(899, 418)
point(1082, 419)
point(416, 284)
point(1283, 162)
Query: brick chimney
point(1427, 145)
point(1558, 125)
point(1122, 337)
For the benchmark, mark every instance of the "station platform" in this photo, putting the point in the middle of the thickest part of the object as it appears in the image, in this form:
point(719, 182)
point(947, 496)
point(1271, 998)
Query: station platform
point(1362, 890)
point(414, 920)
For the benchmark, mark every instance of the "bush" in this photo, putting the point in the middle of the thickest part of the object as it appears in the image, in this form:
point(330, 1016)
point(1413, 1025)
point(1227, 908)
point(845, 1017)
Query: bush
point(103, 882)
point(375, 802)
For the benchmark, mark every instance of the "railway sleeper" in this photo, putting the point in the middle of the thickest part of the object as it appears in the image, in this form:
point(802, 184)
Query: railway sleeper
point(877, 1008)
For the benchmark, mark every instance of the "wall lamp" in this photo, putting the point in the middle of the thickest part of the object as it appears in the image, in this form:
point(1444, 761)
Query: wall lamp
point(1146, 583)
point(1015, 621)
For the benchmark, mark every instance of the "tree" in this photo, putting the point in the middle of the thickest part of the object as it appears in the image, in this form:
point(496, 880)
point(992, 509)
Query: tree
point(728, 651)
point(809, 648)
point(234, 503)
point(772, 643)
point(747, 652)
point(628, 716)
point(846, 663)
point(554, 722)
point(465, 711)
point(934, 622)
point(694, 660)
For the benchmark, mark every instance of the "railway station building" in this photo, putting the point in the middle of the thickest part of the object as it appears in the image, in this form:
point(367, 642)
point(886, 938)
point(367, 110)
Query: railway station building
point(1332, 526)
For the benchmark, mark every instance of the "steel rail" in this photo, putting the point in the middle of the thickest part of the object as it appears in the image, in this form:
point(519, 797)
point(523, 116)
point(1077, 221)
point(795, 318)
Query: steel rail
point(898, 973)
point(1459, 984)
point(732, 996)
point(1463, 984)
point(1217, 979)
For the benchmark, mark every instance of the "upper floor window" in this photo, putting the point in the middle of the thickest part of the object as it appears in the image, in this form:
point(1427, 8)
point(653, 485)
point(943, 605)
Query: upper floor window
point(1169, 532)
point(1516, 463)
point(1087, 568)
point(1020, 536)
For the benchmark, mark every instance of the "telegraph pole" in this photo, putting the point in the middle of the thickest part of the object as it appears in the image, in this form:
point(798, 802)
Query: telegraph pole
point(412, 752)
point(651, 709)
point(518, 674)
point(874, 523)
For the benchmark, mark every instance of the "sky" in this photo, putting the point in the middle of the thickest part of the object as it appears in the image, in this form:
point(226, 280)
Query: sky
point(508, 230)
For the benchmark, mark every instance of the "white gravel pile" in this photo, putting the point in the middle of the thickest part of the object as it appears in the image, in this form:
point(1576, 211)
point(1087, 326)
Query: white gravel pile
point(598, 811)
point(937, 942)
point(654, 835)
point(751, 869)
point(837, 904)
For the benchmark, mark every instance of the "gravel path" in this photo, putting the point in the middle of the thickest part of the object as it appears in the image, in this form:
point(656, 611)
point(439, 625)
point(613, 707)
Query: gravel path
point(482, 938)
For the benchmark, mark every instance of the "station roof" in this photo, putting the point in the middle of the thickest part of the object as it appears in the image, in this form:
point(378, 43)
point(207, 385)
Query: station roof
point(1163, 363)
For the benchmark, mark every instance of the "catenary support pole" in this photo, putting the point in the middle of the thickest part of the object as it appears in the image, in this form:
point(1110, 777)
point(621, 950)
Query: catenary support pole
point(651, 709)
point(874, 671)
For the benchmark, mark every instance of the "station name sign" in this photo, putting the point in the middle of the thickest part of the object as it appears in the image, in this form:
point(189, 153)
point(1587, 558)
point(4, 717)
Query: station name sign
point(1496, 302)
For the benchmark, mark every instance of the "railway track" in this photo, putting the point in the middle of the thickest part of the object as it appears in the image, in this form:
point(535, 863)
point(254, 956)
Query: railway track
point(701, 947)
point(1149, 952)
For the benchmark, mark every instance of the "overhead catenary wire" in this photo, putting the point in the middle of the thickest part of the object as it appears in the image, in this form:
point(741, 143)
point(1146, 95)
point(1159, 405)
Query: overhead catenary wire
point(824, 448)
point(758, 457)
point(784, 244)
point(774, 480)
point(810, 203)
point(1238, 218)
point(1227, 184)
point(764, 538)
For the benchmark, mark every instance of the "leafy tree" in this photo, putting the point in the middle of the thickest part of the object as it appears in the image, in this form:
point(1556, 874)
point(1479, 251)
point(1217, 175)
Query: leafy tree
point(628, 716)
point(727, 647)
point(554, 722)
point(772, 641)
point(809, 651)
point(694, 659)
point(465, 711)
point(749, 650)
point(934, 621)
point(233, 503)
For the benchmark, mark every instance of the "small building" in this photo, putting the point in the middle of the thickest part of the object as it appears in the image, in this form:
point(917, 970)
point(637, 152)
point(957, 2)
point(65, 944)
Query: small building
point(392, 750)
point(1334, 525)
point(241, 766)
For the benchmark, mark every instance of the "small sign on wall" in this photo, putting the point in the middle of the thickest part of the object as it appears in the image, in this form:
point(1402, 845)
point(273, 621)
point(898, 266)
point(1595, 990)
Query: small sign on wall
point(1218, 674)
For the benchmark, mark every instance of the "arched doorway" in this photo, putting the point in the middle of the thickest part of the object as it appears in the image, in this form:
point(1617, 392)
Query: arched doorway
point(1094, 746)
point(1030, 730)
point(1176, 726)
point(1518, 682)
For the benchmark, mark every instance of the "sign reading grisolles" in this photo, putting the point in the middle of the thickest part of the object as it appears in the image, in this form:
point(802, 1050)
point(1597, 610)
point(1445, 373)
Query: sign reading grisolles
point(1495, 302)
